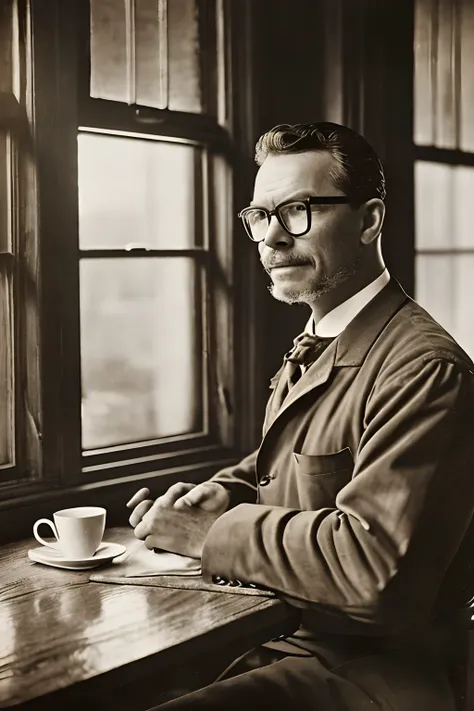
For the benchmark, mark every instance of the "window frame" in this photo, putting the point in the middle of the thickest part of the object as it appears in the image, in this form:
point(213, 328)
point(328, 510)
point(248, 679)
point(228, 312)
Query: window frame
point(9, 268)
point(211, 137)
point(56, 466)
point(16, 111)
point(103, 461)
point(437, 120)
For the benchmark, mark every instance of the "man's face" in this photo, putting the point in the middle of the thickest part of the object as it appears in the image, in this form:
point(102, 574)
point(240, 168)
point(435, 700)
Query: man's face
point(304, 268)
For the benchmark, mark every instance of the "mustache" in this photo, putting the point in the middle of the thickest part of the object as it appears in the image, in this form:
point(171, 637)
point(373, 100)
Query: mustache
point(273, 261)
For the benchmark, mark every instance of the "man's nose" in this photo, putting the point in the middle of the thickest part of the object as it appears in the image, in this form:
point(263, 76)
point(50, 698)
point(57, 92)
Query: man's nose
point(276, 237)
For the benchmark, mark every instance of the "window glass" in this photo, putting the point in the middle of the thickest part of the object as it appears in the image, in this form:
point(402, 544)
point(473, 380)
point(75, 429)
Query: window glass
point(444, 74)
point(147, 52)
point(443, 199)
point(6, 381)
point(445, 288)
point(110, 51)
point(141, 349)
point(136, 192)
point(7, 414)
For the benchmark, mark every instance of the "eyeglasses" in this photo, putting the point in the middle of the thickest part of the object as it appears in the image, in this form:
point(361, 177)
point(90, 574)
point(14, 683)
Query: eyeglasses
point(293, 215)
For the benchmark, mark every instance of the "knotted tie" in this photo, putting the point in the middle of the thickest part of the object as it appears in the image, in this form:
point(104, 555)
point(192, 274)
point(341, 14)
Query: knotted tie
point(306, 350)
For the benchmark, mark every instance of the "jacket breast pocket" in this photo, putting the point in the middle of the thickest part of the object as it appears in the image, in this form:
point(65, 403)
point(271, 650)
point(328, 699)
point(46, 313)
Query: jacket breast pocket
point(320, 477)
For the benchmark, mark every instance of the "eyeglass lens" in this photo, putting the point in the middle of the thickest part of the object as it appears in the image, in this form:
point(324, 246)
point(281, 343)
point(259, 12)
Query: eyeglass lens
point(257, 223)
point(294, 217)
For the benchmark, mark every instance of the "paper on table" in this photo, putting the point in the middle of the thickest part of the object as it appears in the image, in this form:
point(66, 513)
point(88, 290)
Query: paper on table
point(139, 562)
point(140, 566)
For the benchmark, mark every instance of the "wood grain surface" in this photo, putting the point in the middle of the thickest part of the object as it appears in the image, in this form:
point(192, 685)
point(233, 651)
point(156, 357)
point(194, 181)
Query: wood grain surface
point(57, 629)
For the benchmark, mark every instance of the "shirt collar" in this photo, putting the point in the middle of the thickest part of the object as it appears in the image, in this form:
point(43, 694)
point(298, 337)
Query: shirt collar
point(334, 322)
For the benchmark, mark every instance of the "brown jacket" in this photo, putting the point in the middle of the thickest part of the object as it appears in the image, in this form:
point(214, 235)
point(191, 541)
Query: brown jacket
point(371, 466)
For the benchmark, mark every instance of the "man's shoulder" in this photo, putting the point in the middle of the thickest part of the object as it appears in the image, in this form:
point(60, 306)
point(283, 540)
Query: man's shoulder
point(413, 335)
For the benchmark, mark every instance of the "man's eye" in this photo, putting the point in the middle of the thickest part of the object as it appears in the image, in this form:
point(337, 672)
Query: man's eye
point(256, 216)
point(295, 208)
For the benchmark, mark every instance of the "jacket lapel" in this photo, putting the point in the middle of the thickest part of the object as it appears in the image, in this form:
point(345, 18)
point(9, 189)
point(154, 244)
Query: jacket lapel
point(315, 376)
point(278, 388)
point(348, 349)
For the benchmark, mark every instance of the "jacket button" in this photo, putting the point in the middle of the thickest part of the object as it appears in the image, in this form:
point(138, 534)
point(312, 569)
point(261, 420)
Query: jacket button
point(219, 581)
point(265, 480)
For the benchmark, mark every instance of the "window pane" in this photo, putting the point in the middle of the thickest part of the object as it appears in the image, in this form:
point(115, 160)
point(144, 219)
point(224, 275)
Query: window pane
point(184, 56)
point(6, 331)
point(447, 70)
point(6, 376)
point(466, 54)
point(424, 76)
point(5, 181)
point(443, 197)
point(110, 51)
point(436, 73)
point(445, 288)
point(151, 54)
point(444, 73)
point(147, 52)
point(134, 191)
point(141, 349)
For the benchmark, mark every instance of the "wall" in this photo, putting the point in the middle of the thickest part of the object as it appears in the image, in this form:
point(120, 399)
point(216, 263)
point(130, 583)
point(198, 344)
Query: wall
point(349, 62)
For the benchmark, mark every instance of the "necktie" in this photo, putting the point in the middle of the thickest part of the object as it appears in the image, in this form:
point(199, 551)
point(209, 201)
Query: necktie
point(306, 350)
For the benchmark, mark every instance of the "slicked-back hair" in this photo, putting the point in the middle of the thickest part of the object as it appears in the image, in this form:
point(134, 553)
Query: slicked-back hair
point(358, 171)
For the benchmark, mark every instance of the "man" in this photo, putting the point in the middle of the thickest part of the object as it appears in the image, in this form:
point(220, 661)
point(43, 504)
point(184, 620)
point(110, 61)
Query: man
point(357, 502)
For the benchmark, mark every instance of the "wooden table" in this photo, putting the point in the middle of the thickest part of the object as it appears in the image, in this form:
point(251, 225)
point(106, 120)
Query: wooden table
point(61, 634)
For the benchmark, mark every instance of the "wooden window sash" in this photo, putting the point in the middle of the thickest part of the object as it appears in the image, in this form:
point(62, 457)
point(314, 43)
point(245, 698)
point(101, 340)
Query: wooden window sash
point(55, 460)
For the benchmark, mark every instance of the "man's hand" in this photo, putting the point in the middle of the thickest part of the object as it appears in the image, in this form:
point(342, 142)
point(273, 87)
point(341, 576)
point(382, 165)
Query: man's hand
point(179, 520)
point(141, 502)
point(209, 496)
point(178, 530)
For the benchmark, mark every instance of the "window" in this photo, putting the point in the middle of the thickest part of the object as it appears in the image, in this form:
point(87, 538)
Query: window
point(142, 288)
point(444, 169)
point(150, 249)
point(118, 288)
point(20, 416)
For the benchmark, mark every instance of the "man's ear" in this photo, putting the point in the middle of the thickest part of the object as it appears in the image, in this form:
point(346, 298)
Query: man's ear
point(372, 220)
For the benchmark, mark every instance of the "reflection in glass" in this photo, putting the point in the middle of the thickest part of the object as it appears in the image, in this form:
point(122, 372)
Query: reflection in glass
point(135, 192)
point(141, 350)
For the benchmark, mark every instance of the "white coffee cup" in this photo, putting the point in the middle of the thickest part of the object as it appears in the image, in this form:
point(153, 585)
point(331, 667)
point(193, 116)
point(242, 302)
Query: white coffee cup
point(78, 531)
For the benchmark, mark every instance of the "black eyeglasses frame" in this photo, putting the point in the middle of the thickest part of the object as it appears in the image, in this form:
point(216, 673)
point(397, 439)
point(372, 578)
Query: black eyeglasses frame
point(319, 200)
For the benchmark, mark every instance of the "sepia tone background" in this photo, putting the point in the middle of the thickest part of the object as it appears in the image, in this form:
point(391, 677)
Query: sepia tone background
point(137, 332)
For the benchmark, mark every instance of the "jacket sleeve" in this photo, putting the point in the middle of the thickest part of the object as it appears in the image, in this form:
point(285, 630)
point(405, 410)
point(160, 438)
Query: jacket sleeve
point(239, 480)
point(380, 554)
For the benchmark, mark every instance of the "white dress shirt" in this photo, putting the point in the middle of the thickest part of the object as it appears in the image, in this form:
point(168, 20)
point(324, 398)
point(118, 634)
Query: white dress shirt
point(334, 322)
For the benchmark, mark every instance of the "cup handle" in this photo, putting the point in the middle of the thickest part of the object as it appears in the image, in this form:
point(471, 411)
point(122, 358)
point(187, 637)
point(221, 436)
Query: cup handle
point(38, 537)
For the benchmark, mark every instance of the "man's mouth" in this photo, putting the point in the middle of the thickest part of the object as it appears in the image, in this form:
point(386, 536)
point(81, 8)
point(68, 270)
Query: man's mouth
point(287, 265)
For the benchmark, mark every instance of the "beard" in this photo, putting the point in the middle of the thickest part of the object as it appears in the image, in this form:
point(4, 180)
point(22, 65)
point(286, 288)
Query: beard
point(317, 287)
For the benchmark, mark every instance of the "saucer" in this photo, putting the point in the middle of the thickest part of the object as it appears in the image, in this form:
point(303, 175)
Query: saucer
point(49, 556)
